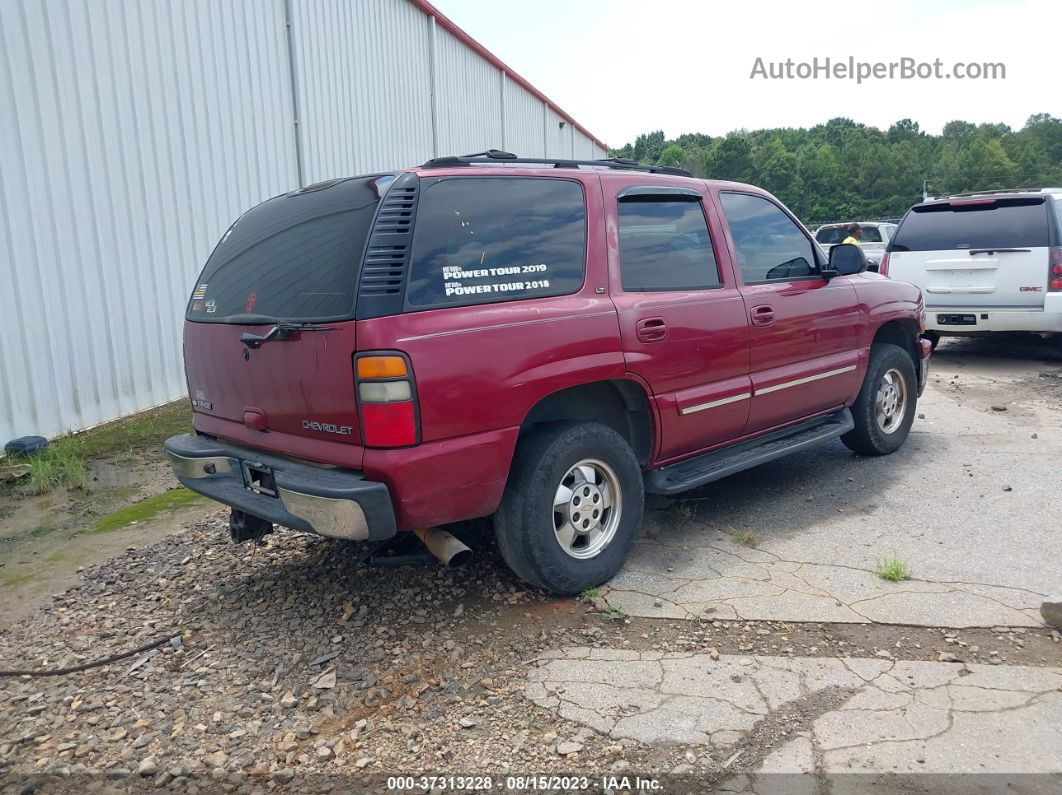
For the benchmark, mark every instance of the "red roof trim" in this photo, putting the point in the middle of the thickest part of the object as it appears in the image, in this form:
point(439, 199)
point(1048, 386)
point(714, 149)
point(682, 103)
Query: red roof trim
point(452, 27)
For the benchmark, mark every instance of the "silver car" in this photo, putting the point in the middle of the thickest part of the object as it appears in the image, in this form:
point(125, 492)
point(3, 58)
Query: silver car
point(876, 236)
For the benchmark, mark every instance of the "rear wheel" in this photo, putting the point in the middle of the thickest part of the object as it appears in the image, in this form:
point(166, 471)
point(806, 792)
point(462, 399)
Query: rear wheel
point(572, 507)
point(885, 408)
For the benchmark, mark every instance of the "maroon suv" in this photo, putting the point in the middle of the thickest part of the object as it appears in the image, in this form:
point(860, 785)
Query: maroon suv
point(543, 341)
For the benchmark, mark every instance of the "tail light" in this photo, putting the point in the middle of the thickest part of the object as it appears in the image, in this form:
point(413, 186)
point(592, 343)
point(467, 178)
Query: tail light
point(883, 266)
point(1054, 270)
point(387, 400)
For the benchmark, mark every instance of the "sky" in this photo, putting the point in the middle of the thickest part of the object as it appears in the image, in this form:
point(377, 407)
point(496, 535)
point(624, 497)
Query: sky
point(625, 67)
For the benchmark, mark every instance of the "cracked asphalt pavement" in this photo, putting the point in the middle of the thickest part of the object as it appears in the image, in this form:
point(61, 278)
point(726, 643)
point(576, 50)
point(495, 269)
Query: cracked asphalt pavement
point(832, 716)
point(970, 504)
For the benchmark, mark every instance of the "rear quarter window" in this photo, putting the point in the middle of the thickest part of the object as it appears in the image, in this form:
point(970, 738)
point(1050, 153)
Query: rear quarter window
point(941, 227)
point(488, 239)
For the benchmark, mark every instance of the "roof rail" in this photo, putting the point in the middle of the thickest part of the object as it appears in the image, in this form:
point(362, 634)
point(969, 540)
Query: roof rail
point(498, 156)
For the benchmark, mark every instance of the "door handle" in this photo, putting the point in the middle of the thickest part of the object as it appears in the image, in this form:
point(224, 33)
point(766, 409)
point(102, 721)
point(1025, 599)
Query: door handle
point(651, 329)
point(762, 315)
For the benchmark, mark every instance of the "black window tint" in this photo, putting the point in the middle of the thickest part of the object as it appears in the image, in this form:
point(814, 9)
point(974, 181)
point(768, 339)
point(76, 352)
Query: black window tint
point(1001, 224)
point(294, 257)
point(485, 239)
point(769, 245)
point(665, 245)
point(831, 234)
point(871, 235)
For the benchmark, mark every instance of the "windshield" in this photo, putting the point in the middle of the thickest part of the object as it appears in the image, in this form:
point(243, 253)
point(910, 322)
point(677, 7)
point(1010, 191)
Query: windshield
point(1020, 223)
point(294, 257)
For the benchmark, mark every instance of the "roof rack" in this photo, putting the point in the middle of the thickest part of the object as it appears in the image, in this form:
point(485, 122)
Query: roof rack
point(993, 192)
point(498, 156)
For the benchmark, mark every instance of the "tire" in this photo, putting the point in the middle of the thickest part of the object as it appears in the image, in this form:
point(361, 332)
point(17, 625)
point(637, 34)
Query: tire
point(526, 526)
point(890, 371)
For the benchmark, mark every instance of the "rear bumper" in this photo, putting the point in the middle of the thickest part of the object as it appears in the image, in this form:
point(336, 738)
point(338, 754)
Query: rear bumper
point(986, 319)
point(330, 502)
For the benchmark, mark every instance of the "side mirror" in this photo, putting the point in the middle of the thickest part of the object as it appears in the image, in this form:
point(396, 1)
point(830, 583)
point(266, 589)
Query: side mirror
point(845, 260)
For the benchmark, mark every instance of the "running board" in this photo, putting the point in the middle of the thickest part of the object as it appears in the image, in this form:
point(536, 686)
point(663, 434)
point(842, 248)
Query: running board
point(720, 463)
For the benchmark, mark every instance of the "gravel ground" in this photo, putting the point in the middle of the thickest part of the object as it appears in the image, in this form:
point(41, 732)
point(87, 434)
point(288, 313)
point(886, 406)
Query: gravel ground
point(295, 662)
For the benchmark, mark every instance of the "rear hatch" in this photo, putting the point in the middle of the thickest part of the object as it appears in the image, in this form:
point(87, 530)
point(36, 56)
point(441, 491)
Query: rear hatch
point(976, 252)
point(292, 261)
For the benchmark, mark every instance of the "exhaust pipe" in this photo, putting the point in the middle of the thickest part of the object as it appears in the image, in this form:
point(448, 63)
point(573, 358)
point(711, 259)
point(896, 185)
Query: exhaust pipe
point(445, 547)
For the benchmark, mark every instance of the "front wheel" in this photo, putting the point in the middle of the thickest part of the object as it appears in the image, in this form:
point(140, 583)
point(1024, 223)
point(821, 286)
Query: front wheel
point(572, 507)
point(885, 408)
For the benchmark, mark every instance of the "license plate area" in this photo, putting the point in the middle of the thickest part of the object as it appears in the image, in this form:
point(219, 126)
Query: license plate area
point(258, 478)
point(957, 320)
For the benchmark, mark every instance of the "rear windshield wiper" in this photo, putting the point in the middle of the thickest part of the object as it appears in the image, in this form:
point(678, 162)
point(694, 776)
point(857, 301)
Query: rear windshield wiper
point(282, 330)
point(999, 251)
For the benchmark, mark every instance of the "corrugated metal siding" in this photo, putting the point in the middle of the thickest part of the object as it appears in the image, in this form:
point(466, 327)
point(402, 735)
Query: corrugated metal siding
point(132, 134)
point(468, 98)
point(363, 81)
point(524, 131)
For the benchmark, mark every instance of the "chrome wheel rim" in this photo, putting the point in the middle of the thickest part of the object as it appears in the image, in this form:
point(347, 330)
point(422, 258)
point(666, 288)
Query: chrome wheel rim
point(586, 508)
point(890, 403)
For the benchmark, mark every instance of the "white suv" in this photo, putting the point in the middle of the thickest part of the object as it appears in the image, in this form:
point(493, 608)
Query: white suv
point(985, 262)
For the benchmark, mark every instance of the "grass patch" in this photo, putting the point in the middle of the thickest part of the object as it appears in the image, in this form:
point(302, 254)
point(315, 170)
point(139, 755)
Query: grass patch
point(66, 460)
point(590, 593)
point(893, 569)
point(41, 532)
point(148, 429)
point(60, 465)
point(146, 509)
point(614, 614)
point(747, 537)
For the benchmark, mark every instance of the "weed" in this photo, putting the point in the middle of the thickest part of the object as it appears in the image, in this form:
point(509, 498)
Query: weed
point(590, 593)
point(893, 569)
point(40, 532)
point(146, 509)
point(614, 614)
point(746, 537)
point(528, 720)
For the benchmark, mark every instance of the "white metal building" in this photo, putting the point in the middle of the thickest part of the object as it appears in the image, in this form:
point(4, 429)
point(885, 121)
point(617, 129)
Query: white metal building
point(133, 132)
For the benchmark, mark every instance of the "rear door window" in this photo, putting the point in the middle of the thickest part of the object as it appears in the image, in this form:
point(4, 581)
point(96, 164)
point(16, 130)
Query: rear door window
point(294, 257)
point(665, 246)
point(1020, 223)
point(487, 239)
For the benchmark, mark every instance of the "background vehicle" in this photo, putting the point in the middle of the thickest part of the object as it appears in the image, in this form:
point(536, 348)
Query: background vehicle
point(985, 262)
point(876, 237)
point(542, 341)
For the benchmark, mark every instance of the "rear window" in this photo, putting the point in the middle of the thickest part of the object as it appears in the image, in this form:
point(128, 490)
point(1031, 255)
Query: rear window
point(487, 239)
point(835, 234)
point(1001, 224)
point(294, 257)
